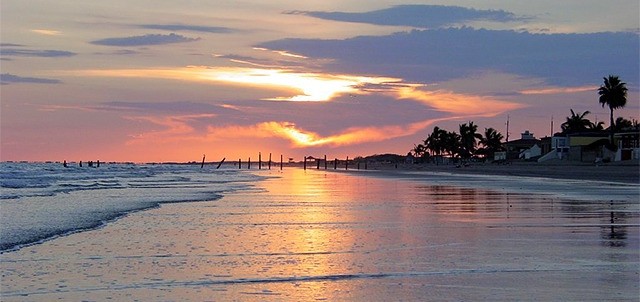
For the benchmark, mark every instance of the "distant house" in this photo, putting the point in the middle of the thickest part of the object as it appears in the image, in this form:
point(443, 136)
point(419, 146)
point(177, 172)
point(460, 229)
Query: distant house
point(589, 146)
point(628, 144)
point(517, 149)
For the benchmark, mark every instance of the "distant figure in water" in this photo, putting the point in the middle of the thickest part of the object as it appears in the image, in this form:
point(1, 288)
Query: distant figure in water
point(80, 163)
point(90, 163)
point(98, 164)
point(64, 164)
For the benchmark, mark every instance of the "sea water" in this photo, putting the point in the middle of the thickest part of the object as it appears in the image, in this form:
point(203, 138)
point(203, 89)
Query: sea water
point(41, 201)
point(327, 236)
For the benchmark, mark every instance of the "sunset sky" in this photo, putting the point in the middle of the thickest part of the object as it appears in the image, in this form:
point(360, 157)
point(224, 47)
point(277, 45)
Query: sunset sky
point(159, 80)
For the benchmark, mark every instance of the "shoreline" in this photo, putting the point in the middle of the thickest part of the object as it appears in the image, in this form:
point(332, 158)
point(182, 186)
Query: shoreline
point(627, 173)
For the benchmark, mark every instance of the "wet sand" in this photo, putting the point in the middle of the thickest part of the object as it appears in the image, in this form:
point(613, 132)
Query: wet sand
point(321, 235)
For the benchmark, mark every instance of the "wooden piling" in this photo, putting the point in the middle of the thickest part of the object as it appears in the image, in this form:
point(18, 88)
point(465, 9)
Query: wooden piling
point(220, 164)
point(280, 161)
point(335, 164)
point(269, 161)
point(202, 165)
point(346, 163)
point(325, 161)
point(317, 164)
point(249, 164)
point(259, 161)
point(239, 163)
point(305, 162)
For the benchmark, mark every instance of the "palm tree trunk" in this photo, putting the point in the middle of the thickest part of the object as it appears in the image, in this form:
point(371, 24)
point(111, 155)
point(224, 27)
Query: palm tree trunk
point(611, 127)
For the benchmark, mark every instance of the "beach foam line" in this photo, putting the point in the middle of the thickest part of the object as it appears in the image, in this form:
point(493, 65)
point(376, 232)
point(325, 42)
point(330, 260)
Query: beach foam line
point(162, 284)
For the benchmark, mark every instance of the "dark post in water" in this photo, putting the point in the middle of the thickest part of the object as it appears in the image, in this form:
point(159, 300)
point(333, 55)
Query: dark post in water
point(269, 160)
point(202, 165)
point(346, 163)
point(259, 161)
point(305, 163)
point(280, 161)
point(325, 161)
point(220, 164)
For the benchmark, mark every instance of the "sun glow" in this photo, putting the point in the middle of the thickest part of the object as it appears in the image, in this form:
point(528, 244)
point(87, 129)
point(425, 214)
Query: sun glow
point(306, 87)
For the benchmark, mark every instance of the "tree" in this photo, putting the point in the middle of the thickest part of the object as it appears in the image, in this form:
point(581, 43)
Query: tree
point(435, 142)
point(451, 143)
point(491, 142)
point(613, 93)
point(622, 123)
point(418, 150)
point(597, 126)
point(468, 136)
point(576, 122)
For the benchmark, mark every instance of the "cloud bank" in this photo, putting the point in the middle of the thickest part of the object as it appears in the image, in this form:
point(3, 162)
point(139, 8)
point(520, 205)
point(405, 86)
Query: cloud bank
point(444, 54)
point(421, 16)
point(150, 39)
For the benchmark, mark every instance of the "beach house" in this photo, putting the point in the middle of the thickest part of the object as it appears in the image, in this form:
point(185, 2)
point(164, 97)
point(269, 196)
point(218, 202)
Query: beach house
point(594, 146)
point(527, 147)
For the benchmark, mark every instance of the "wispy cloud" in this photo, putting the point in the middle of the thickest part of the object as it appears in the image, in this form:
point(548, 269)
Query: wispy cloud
point(196, 28)
point(314, 87)
point(47, 32)
point(7, 78)
point(11, 50)
point(309, 87)
point(150, 39)
point(558, 90)
point(421, 16)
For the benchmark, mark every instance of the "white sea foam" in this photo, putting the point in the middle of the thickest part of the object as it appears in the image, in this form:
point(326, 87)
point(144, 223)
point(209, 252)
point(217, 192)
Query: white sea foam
point(42, 201)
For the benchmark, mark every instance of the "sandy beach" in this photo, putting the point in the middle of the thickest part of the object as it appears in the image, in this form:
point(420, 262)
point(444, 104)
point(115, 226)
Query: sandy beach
point(623, 172)
point(375, 236)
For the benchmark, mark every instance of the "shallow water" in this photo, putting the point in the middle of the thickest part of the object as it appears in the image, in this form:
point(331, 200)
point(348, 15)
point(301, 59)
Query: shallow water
point(334, 236)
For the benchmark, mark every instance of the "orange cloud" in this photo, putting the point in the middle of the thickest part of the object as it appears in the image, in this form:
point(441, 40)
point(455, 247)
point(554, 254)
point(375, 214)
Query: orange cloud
point(47, 32)
point(304, 138)
point(456, 103)
point(176, 128)
point(309, 87)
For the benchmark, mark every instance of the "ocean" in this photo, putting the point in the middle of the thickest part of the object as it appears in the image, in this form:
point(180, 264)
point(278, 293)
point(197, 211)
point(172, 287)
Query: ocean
point(181, 233)
point(41, 201)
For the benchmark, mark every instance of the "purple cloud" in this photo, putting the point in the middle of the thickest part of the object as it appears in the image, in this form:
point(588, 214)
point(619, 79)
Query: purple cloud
point(179, 27)
point(422, 16)
point(150, 39)
point(443, 54)
point(7, 78)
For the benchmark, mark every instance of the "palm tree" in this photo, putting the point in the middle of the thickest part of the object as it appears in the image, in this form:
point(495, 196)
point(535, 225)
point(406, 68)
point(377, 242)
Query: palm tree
point(597, 126)
point(435, 142)
point(418, 150)
point(452, 143)
point(622, 123)
point(576, 122)
point(468, 136)
point(491, 141)
point(613, 94)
